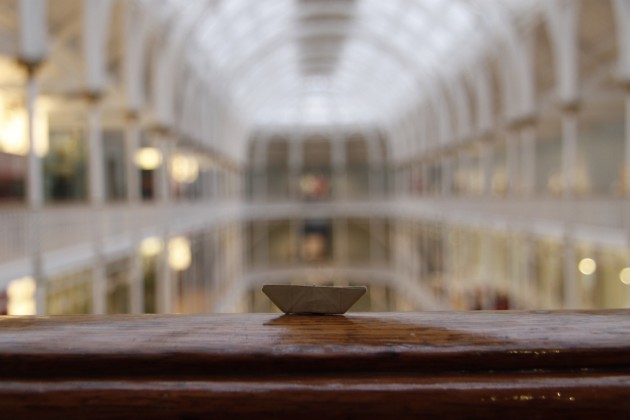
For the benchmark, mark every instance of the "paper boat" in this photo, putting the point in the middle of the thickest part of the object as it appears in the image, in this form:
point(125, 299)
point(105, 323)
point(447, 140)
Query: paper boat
point(313, 299)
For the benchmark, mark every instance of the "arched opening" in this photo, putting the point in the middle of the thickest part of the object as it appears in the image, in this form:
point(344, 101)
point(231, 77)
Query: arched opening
point(548, 147)
point(602, 115)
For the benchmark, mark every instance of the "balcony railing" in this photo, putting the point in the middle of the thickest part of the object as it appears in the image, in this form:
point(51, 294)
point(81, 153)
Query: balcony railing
point(388, 365)
point(56, 228)
point(599, 221)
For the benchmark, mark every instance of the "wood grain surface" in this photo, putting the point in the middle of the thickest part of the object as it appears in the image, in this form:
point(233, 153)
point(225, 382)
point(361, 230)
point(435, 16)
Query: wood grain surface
point(473, 365)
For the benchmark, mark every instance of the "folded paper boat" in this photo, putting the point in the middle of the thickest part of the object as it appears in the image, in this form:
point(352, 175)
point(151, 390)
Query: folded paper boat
point(313, 299)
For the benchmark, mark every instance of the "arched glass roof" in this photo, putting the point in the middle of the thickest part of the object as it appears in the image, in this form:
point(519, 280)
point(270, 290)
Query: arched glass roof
point(329, 62)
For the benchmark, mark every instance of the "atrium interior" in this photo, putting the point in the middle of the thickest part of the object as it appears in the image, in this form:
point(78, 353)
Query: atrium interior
point(170, 156)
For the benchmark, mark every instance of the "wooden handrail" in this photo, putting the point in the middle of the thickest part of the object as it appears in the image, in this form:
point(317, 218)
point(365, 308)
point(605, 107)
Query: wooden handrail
point(472, 364)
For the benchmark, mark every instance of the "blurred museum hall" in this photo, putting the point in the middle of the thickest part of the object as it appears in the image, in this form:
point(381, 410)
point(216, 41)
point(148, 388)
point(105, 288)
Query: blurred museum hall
point(170, 156)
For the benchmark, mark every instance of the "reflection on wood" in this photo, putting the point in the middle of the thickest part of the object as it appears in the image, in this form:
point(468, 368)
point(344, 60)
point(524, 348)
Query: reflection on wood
point(404, 365)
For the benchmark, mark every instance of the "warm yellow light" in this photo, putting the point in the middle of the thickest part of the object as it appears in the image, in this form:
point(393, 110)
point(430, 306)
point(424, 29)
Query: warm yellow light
point(587, 266)
point(14, 128)
point(20, 288)
point(313, 247)
point(624, 275)
point(13, 133)
point(148, 158)
point(179, 253)
point(151, 246)
point(308, 184)
point(184, 169)
point(21, 294)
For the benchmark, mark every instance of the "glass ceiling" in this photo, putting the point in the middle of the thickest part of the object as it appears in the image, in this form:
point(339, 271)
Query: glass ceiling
point(331, 62)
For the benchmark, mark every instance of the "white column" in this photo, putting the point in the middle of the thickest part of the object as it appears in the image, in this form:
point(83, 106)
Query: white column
point(33, 35)
point(487, 269)
point(165, 278)
point(563, 18)
point(238, 183)
point(241, 182)
point(33, 40)
point(488, 168)
point(375, 232)
point(399, 269)
point(35, 193)
point(263, 242)
point(512, 163)
point(163, 176)
point(96, 24)
point(402, 180)
point(626, 168)
point(233, 184)
point(571, 287)
point(216, 183)
point(447, 175)
point(136, 282)
point(340, 236)
point(621, 14)
point(223, 278)
point(216, 286)
point(32, 51)
point(132, 143)
point(375, 165)
point(96, 18)
point(95, 147)
point(569, 151)
point(528, 159)
point(397, 179)
point(528, 290)
point(424, 173)
point(229, 184)
point(339, 165)
point(226, 279)
point(218, 260)
point(259, 182)
point(34, 179)
point(207, 184)
point(447, 260)
point(516, 272)
point(295, 225)
point(226, 185)
point(459, 165)
point(391, 179)
point(207, 270)
point(136, 269)
point(296, 162)
point(241, 252)
point(424, 255)
point(97, 199)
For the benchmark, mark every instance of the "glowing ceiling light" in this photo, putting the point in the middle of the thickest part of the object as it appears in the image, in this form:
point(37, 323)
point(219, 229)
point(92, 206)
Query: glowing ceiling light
point(150, 247)
point(148, 158)
point(587, 266)
point(21, 294)
point(179, 253)
point(184, 168)
point(13, 133)
point(624, 276)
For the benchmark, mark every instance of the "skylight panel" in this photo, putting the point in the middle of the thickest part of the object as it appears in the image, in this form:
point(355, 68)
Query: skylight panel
point(232, 7)
point(416, 22)
point(266, 51)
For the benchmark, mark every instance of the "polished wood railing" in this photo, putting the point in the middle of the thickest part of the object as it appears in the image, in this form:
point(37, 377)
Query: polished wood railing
point(390, 365)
